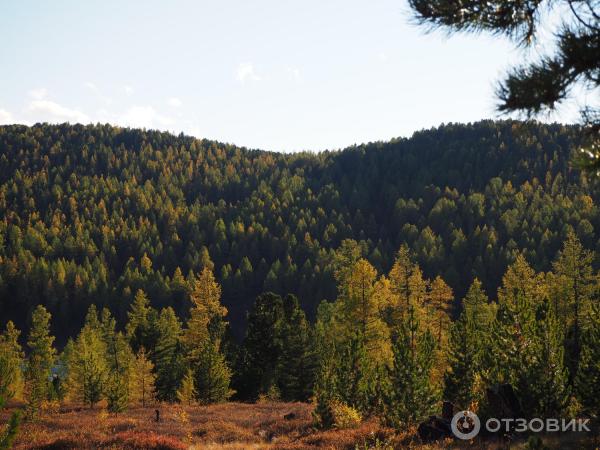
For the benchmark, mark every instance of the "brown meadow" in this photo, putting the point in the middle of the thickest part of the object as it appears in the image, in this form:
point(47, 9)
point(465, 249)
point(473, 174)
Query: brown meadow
point(225, 426)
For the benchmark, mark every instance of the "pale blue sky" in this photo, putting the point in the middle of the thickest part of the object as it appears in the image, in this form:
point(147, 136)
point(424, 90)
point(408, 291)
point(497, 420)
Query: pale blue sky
point(271, 74)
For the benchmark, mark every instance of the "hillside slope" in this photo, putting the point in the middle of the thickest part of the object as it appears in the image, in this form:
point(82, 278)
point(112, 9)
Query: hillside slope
point(90, 214)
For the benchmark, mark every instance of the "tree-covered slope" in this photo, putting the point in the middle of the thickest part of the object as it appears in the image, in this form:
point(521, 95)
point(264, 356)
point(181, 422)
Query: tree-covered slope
point(89, 214)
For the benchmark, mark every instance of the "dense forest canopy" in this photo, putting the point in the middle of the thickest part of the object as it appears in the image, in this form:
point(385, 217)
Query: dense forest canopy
point(91, 214)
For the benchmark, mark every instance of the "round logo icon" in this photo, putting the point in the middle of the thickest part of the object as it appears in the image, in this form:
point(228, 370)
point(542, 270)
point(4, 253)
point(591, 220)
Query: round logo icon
point(465, 425)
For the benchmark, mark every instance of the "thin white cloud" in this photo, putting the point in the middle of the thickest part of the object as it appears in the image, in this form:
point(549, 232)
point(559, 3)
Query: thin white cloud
point(174, 102)
point(245, 72)
point(6, 118)
point(382, 56)
point(144, 116)
point(195, 131)
point(92, 87)
point(39, 108)
point(294, 74)
point(38, 94)
point(49, 111)
point(128, 90)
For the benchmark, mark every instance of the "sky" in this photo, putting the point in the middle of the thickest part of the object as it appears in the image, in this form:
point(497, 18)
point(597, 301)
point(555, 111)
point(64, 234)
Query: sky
point(277, 75)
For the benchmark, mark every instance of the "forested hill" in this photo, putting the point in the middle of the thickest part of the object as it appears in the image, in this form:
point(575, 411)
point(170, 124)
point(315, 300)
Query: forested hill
point(90, 214)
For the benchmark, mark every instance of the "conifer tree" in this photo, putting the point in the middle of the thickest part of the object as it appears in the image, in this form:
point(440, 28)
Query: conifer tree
point(88, 368)
point(363, 313)
point(327, 349)
point(400, 276)
point(119, 361)
point(202, 339)
point(355, 375)
point(40, 361)
point(587, 381)
point(345, 257)
point(440, 298)
point(514, 327)
point(297, 362)
point(543, 384)
point(262, 347)
point(11, 363)
point(213, 375)
point(65, 367)
point(573, 268)
point(206, 314)
point(469, 342)
point(526, 345)
point(142, 379)
point(410, 396)
point(7, 375)
point(141, 324)
point(169, 361)
point(186, 394)
point(417, 291)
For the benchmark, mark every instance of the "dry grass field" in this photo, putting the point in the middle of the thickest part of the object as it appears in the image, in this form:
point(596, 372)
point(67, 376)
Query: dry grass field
point(225, 426)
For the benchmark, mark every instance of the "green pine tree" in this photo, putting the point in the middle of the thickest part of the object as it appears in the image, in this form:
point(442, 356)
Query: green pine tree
point(169, 361)
point(573, 268)
point(119, 359)
point(212, 376)
point(40, 361)
point(543, 385)
point(356, 375)
point(469, 342)
point(410, 396)
point(262, 347)
point(587, 381)
point(297, 363)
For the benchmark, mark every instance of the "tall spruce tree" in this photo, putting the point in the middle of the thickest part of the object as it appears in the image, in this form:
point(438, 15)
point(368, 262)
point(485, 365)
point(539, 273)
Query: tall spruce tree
point(213, 375)
point(262, 347)
point(526, 346)
point(410, 395)
point(297, 363)
point(469, 342)
point(356, 375)
point(169, 357)
point(543, 384)
point(40, 360)
point(513, 331)
point(587, 381)
point(119, 362)
point(573, 268)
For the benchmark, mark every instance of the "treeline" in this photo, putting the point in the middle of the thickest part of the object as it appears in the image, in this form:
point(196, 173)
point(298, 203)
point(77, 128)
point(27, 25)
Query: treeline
point(386, 347)
point(92, 214)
